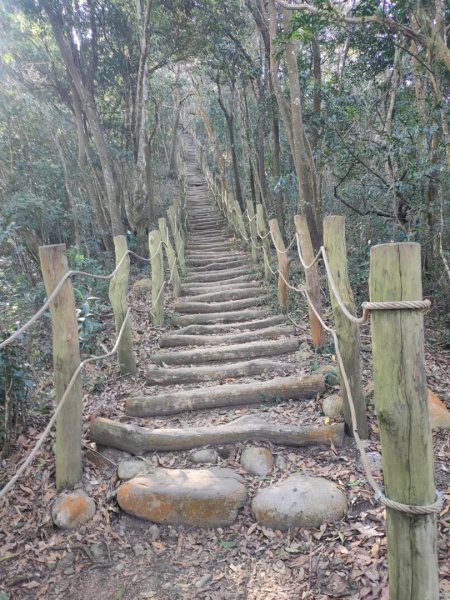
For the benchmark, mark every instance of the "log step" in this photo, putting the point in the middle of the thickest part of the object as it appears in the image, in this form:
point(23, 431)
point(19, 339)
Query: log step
point(218, 266)
point(224, 295)
point(172, 340)
point(223, 317)
point(296, 387)
point(224, 353)
point(216, 275)
point(156, 375)
point(215, 307)
point(226, 327)
point(207, 288)
point(138, 440)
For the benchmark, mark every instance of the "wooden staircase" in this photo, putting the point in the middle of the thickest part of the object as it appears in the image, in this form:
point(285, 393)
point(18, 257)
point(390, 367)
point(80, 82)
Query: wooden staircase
point(224, 340)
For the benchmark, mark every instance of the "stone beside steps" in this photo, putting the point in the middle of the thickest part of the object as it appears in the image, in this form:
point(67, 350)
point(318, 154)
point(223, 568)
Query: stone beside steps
point(225, 341)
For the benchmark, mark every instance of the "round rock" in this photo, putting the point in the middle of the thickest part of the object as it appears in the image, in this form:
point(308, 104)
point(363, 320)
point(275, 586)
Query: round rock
point(207, 455)
point(299, 501)
point(331, 374)
point(72, 509)
point(333, 406)
point(142, 287)
point(129, 468)
point(257, 461)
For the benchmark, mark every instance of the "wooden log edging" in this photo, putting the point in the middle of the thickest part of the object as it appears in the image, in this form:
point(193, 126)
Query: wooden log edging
point(296, 387)
point(138, 440)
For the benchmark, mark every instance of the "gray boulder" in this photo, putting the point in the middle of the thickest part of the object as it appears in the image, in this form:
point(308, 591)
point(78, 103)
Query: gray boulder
point(299, 501)
point(333, 406)
point(129, 468)
point(257, 461)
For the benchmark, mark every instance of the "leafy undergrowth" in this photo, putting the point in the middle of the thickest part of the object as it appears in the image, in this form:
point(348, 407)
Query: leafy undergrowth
point(119, 557)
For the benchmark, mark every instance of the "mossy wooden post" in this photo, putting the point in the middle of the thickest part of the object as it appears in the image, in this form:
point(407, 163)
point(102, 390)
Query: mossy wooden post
point(229, 214)
point(242, 230)
point(179, 207)
point(232, 212)
point(347, 331)
point(402, 411)
point(118, 289)
point(252, 230)
point(156, 254)
point(66, 359)
point(262, 231)
point(171, 257)
point(312, 280)
point(283, 264)
point(179, 244)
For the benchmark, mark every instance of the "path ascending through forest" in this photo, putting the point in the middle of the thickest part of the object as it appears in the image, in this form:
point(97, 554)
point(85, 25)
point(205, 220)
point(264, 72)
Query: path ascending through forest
point(225, 339)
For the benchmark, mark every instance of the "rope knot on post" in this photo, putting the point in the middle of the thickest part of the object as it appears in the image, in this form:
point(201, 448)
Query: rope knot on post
point(413, 510)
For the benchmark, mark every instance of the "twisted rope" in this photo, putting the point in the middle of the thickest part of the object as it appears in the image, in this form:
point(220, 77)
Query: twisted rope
point(58, 409)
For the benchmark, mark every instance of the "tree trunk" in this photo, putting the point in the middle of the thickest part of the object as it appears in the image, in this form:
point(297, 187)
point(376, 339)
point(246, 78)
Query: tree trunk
point(81, 83)
point(229, 118)
point(303, 159)
point(173, 145)
point(89, 182)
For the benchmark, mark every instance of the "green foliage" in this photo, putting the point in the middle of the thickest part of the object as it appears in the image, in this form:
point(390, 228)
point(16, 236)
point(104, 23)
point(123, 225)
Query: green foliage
point(14, 388)
point(46, 219)
point(88, 324)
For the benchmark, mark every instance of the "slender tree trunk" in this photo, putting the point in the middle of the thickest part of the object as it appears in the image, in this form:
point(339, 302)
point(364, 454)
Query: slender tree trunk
point(229, 118)
point(87, 173)
point(317, 91)
point(173, 145)
point(89, 107)
point(303, 159)
point(70, 196)
point(276, 168)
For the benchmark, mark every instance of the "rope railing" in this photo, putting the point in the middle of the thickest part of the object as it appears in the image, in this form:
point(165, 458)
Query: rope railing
point(84, 362)
point(367, 307)
point(397, 361)
point(431, 508)
point(58, 409)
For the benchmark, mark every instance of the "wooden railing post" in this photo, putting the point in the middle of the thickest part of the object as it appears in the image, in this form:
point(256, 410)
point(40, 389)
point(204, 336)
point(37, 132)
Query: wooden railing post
point(283, 264)
point(118, 289)
point(312, 279)
point(402, 411)
point(252, 230)
point(347, 331)
point(242, 230)
point(66, 359)
point(179, 244)
point(262, 230)
point(171, 257)
point(156, 254)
